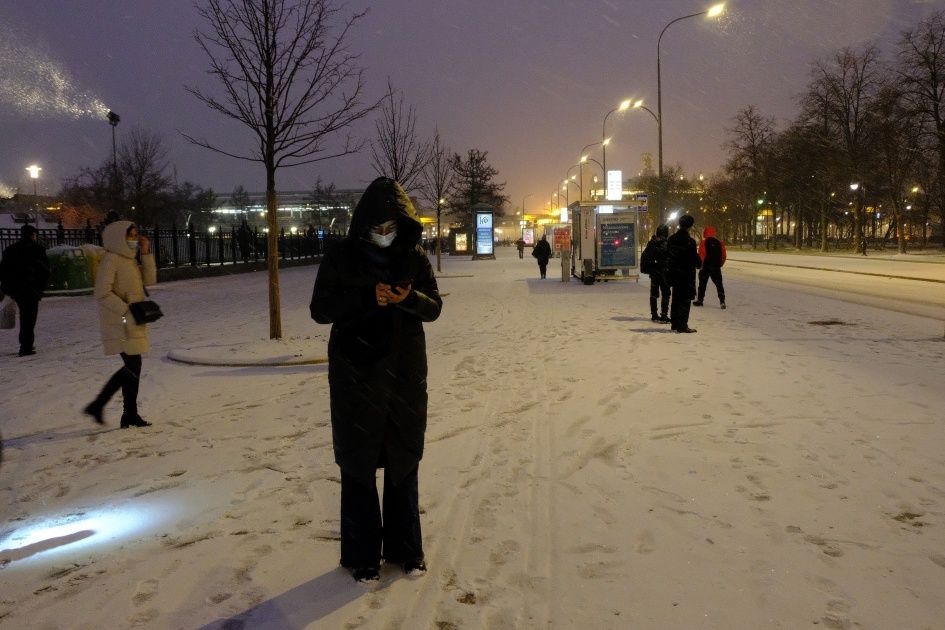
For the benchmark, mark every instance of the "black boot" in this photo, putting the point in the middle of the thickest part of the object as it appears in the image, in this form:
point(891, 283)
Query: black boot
point(653, 316)
point(129, 419)
point(95, 409)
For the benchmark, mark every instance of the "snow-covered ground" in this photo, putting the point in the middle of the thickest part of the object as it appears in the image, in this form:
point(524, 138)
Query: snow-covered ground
point(585, 468)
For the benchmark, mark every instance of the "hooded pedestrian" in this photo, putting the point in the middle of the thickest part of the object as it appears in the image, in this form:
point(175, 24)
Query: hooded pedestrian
point(127, 268)
point(712, 253)
point(376, 288)
point(542, 252)
point(24, 272)
point(681, 264)
point(653, 262)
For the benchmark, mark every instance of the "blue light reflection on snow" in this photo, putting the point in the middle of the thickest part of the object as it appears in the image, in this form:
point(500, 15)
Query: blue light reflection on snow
point(107, 526)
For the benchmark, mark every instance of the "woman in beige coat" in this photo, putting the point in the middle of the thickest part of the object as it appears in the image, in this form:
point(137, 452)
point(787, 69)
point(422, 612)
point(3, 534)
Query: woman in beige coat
point(127, 268)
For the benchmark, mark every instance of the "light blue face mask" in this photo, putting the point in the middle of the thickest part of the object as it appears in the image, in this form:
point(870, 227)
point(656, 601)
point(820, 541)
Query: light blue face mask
point(383, 240)
point(132, 245)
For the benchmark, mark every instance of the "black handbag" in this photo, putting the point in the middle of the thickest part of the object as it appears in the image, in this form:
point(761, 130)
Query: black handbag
point(145, 312)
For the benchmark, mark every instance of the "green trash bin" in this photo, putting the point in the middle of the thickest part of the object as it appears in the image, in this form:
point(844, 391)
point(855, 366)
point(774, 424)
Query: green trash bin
point(69, 272)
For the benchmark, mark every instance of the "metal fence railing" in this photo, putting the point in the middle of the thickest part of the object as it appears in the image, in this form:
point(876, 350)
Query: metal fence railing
point(182, 247)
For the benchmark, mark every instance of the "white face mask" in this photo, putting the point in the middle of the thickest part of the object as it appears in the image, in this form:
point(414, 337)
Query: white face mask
point(384, 240)
point(132, 245)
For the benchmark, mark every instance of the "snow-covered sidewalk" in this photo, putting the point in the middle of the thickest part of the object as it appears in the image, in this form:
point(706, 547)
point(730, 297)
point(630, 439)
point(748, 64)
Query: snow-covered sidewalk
point(585, 468)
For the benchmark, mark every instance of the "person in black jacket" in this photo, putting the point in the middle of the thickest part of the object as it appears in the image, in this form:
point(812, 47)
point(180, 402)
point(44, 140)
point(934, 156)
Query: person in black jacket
point(713, 255)
point(681, 264)
point(542, 252)
point(376, 288)
point(24, 272)
point(658, 283)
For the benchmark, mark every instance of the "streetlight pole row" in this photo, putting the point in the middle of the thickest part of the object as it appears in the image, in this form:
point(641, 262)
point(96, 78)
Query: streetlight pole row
point(713, 12)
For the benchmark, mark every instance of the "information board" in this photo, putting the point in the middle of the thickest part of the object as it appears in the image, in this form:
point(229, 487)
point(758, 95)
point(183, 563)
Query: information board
point(562, 240)
point(528, 235)
point(618, 247)
point(484, 236)
point(461, 245)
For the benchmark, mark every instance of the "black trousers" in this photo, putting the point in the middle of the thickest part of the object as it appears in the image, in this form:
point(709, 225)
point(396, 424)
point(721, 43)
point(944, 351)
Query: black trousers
point(29, 311)
point(366, 537)
point(543, 268)
point(658, 285)
point(716, 275)
point(683, 292)
point(126, 379)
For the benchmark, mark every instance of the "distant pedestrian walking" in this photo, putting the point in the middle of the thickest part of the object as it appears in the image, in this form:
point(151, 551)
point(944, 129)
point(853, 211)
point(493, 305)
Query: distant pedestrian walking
point(542, 252)
point(376, 288)
point(243, 237)
point(520, 245)
point(653, 262)
point(128, 267)
point(682, 262)
point(24, 272)
point(712, 253)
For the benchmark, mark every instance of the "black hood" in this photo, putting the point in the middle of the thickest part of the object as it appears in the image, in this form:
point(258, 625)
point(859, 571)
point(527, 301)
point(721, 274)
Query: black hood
point(384, 200)
point(662, 231)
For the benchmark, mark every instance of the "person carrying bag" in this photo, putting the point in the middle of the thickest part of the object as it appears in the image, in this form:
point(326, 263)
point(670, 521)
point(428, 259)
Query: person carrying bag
point(126, 270)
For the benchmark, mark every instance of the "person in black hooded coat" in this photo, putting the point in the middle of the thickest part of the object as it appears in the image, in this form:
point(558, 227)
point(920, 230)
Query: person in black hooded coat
point(24, 272)
point(376, 288)
point(682, 261)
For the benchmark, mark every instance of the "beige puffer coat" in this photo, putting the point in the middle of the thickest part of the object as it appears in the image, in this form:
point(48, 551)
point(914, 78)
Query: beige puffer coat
point(120, 282)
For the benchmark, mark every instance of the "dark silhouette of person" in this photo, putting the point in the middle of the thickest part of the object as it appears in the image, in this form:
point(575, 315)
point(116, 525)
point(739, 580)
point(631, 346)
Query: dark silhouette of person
point(681, 264)
point(542, 252)
point(377, 288)
point(659, 287)
point(520, 245)
point(24, 272)
point(243, 236)
point(712, 252)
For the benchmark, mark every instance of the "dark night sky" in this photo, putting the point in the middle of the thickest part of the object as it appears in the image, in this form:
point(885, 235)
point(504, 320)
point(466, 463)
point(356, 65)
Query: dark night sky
point(527, 81)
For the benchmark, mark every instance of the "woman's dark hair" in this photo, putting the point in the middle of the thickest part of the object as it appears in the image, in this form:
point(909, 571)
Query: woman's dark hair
point(130, 227)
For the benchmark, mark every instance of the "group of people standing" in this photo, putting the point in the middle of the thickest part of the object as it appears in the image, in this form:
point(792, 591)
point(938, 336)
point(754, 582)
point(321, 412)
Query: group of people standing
point(672, 263)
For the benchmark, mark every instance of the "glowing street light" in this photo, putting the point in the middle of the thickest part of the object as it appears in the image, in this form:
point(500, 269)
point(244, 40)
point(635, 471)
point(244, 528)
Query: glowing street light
point(714, 11)
point(623, 106)
point(34, 173)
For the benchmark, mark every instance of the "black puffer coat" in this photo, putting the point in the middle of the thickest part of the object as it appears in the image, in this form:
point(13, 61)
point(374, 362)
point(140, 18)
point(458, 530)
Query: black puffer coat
point(377, 359)
point(24, 269)
point(542, 252)
point(682, 260)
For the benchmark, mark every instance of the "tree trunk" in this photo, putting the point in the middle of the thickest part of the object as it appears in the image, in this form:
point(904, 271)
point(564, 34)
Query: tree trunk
point(272, 255)
point(857, 221)
point(439, 239)
point(823, 225)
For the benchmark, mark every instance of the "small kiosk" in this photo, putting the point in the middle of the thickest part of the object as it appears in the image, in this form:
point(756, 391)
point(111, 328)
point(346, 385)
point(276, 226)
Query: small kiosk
point(604, 241)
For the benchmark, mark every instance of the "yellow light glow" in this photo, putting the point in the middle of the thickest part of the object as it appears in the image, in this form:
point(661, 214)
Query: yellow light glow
point(34, 171)
point(638, 104)
point(606, 142)
point(625, 105)
point(584, 158)
point(716, 10)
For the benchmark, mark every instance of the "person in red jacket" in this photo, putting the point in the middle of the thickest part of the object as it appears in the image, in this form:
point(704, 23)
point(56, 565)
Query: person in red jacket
point(712, 253)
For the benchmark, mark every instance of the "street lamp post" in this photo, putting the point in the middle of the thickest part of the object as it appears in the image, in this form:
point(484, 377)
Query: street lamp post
point(522, 222)
point(604, 141)
point(582, 161)
point(713, 12)
point(34, 174)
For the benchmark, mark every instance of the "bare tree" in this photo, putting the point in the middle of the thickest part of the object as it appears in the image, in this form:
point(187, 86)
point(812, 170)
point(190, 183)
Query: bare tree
point(922, 71)
point(142, 169)
point(397, 152)
point(845, 87)
point(750, 142)
point(437, 182)
point(287, 73)
point(898, 137)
